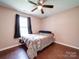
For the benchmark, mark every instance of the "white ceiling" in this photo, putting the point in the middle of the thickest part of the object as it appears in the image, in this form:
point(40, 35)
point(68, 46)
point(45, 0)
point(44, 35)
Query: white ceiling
point(26, 7)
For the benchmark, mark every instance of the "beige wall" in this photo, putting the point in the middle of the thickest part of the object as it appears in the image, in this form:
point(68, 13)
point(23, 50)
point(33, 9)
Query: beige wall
point(65, 26)
point(7, 23)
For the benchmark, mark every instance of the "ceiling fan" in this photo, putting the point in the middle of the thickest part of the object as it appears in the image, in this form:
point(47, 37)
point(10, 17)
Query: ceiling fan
point(40, 5)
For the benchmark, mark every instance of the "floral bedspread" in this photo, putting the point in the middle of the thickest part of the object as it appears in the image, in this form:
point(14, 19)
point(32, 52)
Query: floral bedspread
point(33, 42)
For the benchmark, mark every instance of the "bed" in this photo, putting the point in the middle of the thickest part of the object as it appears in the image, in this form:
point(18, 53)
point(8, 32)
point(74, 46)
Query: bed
point(37, 42)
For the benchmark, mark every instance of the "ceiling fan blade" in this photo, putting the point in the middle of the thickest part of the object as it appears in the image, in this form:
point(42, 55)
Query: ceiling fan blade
point(42, 11)
point(48, 6)
point(32, 2)
point(34, 9)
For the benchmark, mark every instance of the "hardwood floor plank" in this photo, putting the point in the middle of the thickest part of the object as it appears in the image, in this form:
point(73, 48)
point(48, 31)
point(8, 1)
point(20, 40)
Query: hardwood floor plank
point(57, 51)
point(14, 53)
point(54, 51)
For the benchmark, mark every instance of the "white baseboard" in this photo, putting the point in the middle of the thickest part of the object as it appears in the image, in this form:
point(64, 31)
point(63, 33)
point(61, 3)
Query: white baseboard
point(67, 45)
point(9, 47)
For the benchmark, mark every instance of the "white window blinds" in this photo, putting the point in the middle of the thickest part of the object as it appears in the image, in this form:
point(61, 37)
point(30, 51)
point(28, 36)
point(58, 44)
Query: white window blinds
point(23, 26)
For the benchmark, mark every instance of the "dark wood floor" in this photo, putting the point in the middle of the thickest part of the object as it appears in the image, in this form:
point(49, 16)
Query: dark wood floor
point(55, 51)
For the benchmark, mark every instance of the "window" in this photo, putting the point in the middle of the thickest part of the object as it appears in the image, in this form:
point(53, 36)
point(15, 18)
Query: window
point(23, 26)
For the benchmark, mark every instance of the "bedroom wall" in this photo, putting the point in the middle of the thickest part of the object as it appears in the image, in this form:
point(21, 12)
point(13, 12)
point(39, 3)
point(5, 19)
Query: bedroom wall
point(65, 26)
point(7, 23)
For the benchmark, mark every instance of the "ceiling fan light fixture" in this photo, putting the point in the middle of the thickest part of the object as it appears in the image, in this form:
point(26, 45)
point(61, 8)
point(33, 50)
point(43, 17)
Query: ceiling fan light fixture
point(40, 4)
point(41, 1)
point(39, 7)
